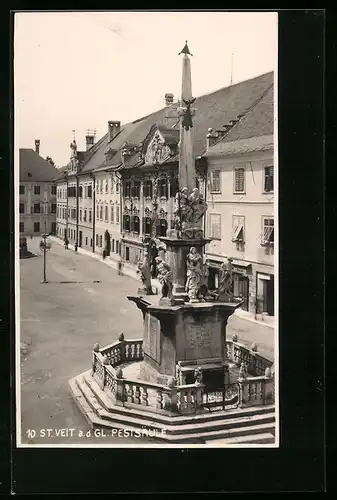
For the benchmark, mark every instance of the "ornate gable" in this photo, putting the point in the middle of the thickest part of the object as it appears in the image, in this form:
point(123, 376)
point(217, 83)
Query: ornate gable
point(156, 151)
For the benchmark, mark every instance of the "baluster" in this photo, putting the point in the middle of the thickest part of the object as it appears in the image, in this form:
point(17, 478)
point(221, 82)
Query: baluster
point(159, 400)
point(248, 392)
point(137, 395)
point(133, 352)
point(145, 397)
point(262, 388)
point(130, 393)
point(127, 352)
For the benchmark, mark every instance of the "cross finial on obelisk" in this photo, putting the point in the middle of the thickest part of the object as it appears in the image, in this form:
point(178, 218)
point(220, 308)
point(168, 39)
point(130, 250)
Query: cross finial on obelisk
point(186, 161)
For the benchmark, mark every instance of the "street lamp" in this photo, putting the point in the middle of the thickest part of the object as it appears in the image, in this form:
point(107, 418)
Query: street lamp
point(44, 244)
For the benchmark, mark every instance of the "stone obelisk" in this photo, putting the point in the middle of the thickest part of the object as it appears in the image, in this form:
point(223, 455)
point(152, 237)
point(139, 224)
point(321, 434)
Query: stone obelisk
point(186, 161)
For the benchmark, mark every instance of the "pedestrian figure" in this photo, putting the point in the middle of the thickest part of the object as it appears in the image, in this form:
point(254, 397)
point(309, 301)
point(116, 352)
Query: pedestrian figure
point(66, 243)
point(120, 267)
point(76, 247)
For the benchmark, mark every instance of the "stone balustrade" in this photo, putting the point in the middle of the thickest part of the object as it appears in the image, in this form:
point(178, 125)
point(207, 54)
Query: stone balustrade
point(256, 391)
point(179, 399)
point(238, 353)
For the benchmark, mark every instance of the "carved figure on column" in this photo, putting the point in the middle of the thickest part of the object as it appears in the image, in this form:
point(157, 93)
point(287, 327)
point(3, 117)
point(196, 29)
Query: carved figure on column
point(145, 274)
point(189, 210)
point(225, 292)
point(194, 275)
point(203, 291)
point(165, 277)
point(198, 376)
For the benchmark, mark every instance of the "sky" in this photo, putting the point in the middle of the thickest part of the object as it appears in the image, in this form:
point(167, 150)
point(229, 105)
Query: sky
point(78, 70)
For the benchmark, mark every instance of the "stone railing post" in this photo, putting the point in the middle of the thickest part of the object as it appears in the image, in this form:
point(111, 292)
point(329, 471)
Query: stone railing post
point(243, 392)
point(269, 386)
point(120, 388)
point(198, 396)
point(171, 403)
point(95, 349)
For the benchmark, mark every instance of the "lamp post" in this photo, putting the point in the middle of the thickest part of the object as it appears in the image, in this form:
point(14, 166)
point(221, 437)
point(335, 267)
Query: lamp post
point(43, 244)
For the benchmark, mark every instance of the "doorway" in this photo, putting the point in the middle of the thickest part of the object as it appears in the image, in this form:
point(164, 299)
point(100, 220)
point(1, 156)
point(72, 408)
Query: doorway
point(53, 227)
point(243, 290)
point(270, 296)
point(127, 253)
point(80, 239)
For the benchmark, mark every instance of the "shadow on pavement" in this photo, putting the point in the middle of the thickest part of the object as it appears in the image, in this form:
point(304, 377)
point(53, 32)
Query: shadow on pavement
point(76, 282)
point(27, 255)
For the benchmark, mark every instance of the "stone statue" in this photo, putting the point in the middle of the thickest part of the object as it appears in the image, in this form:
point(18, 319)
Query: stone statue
point(197, 376)
point(165, 277)
point(226, 280)
point(189, 210)
point(203, 291)
point(194, 274)
point(145, 274)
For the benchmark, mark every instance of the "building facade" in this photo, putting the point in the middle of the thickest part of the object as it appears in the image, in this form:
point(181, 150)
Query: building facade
point(37, 193)
point(240, 197)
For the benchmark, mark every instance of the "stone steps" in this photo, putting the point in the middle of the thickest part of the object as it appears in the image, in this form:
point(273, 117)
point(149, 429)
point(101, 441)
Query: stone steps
point(107, 403)
point(140, 420)
point(101, 413)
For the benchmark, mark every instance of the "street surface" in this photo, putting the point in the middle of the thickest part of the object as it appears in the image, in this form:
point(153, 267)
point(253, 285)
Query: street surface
point(60, 323)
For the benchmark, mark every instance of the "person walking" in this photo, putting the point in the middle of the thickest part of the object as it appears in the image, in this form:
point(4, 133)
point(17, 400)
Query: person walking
point(120, 267)
point(66, 243)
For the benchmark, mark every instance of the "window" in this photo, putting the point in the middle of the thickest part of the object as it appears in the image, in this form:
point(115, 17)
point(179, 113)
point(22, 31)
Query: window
point(112, 245)
point(117, 214)
point(162, 227)
point(238, 232)
point(117, 246)
point(97, 187)
point(91, 242)
point(86, 241)
point(112, 208)
point(89, 191)
point(135, 189)
point(268, 231)
point(22, 189)
point(36, 227)
point(36, 189)
point(117, 187)
point(239, 180)
point(101, 187)
point(85, 215)
point(127, 189)
point(135, 224)
point(173, 187)
point(215, 181)
point(147, 225)
point(37, 208)
point(22, 227)
point(106, 187)
point(100, 241)
point(126, 222)
point(80, 215)
point(148, 189)
point(53, 190)
point(101, 212)
point(97, 212)
point(22, 208)
point(268, 179)
point(106, 213)
point(215, 226)
point(162, 188)
point(112, 180)
point(90, 215)
point(53, 208)
point(97, 240)
point(80, 191)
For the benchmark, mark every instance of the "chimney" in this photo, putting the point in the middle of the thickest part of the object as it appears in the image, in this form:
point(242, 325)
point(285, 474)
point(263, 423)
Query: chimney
point(37, 146)
point(113, 129)
point(168, 99)
point(90, 139)
point(211, 138)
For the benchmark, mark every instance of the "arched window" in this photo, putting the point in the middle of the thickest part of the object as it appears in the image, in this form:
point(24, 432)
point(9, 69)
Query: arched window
point(162, 227)
point(147, 225)
point(126, 222)
point(135, 224)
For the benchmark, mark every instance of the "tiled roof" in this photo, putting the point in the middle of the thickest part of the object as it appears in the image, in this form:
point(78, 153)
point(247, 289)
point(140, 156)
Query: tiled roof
point(252, 144)
point(213, 110)
point(258, 121)
point(35, 168)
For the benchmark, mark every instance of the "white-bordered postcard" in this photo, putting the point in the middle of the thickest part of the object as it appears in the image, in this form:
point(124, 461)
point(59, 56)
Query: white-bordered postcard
point(146, 195)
